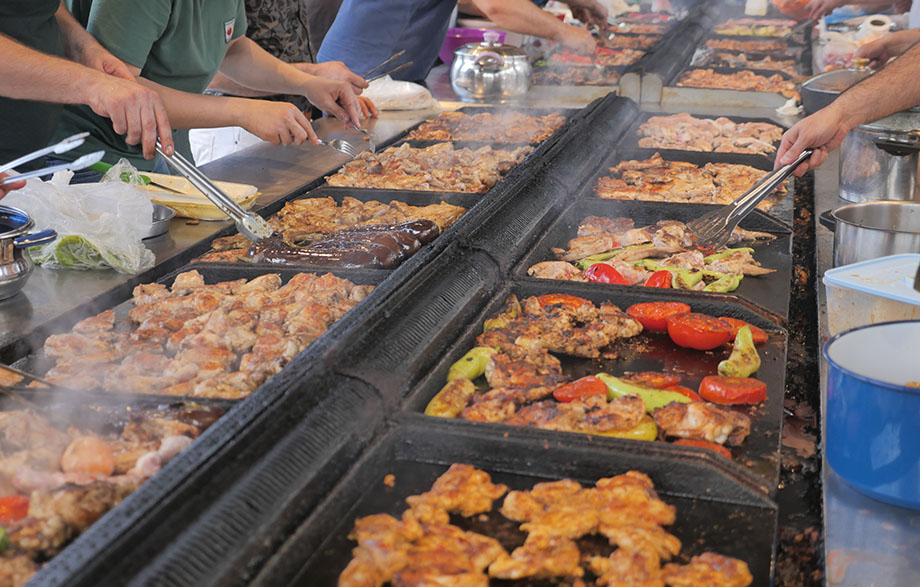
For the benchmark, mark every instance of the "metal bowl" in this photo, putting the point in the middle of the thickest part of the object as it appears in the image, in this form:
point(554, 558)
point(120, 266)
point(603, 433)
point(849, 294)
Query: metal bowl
point(823, 89)
point(161, 217)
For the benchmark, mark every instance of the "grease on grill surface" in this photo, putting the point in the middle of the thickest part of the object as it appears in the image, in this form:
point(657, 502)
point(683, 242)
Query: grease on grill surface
point(570, 530)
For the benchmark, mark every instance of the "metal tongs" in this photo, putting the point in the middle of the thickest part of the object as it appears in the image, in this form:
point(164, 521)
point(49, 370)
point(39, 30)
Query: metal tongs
point(714, 229)
point(67, 144)
point(250, 225)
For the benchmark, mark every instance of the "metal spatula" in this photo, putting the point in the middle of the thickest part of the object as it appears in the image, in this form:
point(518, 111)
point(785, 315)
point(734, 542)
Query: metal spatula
point(250, 225)
point(714, 229)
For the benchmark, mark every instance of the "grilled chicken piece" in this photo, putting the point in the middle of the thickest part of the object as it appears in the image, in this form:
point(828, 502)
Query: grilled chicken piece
point(383, 546)
point(448, 555)
point(556, 270)
point(29, 440)
point(16, 567)
point(540, 556)
point(102, 322)
point(708, 568)
point(703, 421)
point(593, 414)
point(740, 261)
point(522, 367)
point(627, 568)
point(649, 539)
point(686, 260)
point(495, 409)
point(462, 489)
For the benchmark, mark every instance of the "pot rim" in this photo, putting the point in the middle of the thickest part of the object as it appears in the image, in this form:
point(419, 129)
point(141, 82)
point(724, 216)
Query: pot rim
point(865, 378)
point(20, 230)
point(874, 202)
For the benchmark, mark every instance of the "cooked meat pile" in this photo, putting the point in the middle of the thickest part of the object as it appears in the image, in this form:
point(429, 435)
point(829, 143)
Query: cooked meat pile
point(746, 81)
point(641, 28)
point(742, 61)
point(221, 340)
point(658, 180)
point(309, 221)
point(69, 478)
point(689, 133)
point(669, 242)
point(755, 27)
point(617, 57)
point(488, 127)
point(629, 42)
point(570, 75)
point(423, 548)
point(438, 167)
point(756, 45)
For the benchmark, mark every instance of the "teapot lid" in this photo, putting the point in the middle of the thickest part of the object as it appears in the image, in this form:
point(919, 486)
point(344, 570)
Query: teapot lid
point(490, 44)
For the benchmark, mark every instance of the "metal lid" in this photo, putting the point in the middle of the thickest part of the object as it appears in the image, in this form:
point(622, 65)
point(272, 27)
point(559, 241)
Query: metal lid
point(835, 82)
point(14, 222)
point(902, 123)
point(490, 44)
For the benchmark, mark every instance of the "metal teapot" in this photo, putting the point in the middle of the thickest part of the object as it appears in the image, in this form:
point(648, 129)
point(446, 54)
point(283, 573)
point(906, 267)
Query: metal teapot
point(490, 71)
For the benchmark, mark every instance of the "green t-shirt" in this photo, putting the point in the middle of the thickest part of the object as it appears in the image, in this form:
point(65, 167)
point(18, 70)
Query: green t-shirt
point(176, 43)
point(27, 125)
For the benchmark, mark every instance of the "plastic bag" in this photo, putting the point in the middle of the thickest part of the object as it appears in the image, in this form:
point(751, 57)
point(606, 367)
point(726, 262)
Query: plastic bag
point(99, 225)
point(389, 94)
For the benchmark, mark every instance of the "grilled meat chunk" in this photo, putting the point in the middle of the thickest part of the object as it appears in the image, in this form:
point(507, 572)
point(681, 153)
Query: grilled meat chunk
point(592, 414)
point(462, 489)
point(708, 568)
point(541, 556)
point(627, 568)
point(703, 421)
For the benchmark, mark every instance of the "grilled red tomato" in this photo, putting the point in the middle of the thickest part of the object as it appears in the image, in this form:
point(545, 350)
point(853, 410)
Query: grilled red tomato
point(716, 448)
point(686, 392)
point(757, 334)
point(603, 273)
point(580, 388)
point(698, 331)
point(653, 379)
point(568, 300)
point(13, 507)
point(733, 390)
point(659, 279)
point(654, 315)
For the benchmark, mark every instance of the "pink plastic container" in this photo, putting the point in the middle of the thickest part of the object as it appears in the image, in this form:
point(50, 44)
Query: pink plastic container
point(457, 37)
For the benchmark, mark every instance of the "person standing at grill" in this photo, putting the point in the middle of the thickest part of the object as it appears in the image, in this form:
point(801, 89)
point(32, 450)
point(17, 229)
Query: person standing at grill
point(175, 47)
point(49, 60)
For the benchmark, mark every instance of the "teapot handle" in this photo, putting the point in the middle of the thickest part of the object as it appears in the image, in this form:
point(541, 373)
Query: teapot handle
point(500, 61)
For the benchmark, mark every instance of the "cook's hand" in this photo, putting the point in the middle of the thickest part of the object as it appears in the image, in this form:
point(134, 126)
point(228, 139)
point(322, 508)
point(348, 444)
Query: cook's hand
point(578, 40)
point(818, 8)
point(335, 70)
point(135, 112)
point(279, 123)
point(335, 98)
point(368, 110)
point(879, 51)
point(5, 189)
point(588, 11)
point(823, 131)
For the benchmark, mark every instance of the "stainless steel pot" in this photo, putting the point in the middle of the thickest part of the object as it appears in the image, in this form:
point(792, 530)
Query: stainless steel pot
point(824, 88)
point(869, 230)
point(490, 71)
point(15, 239)
point(879, 160)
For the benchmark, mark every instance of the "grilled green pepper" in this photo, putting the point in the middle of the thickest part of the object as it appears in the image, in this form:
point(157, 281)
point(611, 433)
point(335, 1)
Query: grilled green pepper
point(726, 283)
point(646, 429)
point(681, 278)
point(725, 253)
point(653, 398)
point(744, 360)
point(4, 539)
point(451, 400)
point(472, 364)
point(511, 311)
point(583, 264)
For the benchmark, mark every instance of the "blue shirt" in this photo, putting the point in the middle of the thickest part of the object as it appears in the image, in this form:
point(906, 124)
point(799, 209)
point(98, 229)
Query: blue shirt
point(367, 32)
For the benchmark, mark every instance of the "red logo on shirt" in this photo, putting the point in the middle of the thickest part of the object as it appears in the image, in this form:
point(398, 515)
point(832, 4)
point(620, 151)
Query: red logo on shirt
point(228, 29)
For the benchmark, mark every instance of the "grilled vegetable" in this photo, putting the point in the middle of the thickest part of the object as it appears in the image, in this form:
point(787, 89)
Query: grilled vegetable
point(725, 253)
point(472, 364)
point(653, 379)
point(451, 400)
point(687, 278)
point(567, 299)
point(603, 273)
point(758, 334)
point(13, 507)
point(660, 278)
point(726, 283)
point(719, 389)
point(654, 315)
point(511, 311)
point(4, 540)
point(686, 392)
point(653, 398)
point(646, 429)
point(580, 388)
point(698, 331)
point(714, 447)
point(588, 261)
point(744, 360)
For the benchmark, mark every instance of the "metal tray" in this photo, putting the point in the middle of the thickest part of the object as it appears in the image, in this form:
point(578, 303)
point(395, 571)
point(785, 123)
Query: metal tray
point(770, 292)
point(782, 210)
point(757, 458)
point(730, 519)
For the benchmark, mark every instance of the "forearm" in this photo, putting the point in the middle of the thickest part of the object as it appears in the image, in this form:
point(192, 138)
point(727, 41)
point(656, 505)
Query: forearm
point(872, 98)
point(252, 67)
point(32, 75)
point(75, 37)
point(225, 85)
point(188, 110)
point(520, 16)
